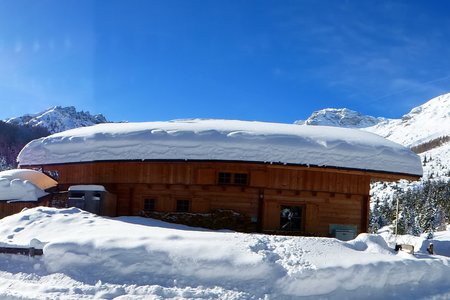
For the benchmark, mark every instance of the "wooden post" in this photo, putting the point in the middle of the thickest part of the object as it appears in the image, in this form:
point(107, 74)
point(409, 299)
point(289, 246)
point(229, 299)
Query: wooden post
point(396, 222)
point(365, 207)
point(260, 216)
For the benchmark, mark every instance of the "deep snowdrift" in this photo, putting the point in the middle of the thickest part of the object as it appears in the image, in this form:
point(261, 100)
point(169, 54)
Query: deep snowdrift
point(224, 140)
point(86, 256)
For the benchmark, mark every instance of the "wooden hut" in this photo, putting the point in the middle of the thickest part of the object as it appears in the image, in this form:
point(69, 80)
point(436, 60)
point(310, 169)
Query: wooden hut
point(285, 178)
point(22, 188)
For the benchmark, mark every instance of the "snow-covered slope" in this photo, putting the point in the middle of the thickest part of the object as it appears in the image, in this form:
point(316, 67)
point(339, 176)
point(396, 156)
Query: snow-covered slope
point(340, 117)
point(90, 257)
point(57, 119)
point(422, 124)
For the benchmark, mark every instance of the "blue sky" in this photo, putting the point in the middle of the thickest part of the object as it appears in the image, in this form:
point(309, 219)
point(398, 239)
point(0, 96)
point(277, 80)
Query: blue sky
point(253, 60)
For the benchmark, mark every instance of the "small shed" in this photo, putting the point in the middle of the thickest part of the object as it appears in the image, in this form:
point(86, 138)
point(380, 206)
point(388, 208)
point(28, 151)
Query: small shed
point(22, 188)
point(92, 198)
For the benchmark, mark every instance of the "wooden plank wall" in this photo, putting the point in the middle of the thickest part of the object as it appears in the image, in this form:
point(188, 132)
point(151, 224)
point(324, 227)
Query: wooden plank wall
point(330, 196)
point(7, 209)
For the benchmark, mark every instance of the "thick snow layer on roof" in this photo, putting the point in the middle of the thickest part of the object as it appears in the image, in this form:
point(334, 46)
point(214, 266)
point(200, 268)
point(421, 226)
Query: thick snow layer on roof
point(224, 140)
point(18, 185)
point(89, 187)
point(39, 179)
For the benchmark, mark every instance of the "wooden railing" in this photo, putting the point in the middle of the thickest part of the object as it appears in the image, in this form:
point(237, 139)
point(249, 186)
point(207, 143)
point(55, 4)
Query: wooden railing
point(30, 251)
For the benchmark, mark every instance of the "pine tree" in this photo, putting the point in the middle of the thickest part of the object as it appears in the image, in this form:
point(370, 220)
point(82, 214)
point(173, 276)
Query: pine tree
point(425, 208)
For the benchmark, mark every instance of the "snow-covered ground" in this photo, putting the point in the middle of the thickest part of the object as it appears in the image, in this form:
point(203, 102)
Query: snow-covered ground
point(91, 257)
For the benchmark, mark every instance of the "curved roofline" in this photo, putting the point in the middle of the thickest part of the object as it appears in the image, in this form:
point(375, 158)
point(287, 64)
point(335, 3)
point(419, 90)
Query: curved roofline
point(383, 175)
point(224, 140)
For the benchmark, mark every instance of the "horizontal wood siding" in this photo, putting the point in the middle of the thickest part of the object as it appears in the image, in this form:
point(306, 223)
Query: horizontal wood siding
point(203, 173)
point(7, 209)
point(329, 196)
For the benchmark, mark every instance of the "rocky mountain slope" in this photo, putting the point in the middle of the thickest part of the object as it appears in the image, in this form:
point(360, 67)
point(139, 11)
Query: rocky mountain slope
point(340, 117)
point(17, 132)
point(58, 118)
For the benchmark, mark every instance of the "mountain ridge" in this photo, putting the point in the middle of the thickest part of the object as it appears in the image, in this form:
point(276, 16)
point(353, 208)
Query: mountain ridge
point(58, 118)
point(16, 132)
point(340, 117)
point(422, 124)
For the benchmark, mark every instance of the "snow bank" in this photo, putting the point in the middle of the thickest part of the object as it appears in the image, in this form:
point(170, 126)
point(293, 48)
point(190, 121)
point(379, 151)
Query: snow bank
point(440, 240)
point(224, 140)
point(441, 243)
point(86, 256)
point(20, 185)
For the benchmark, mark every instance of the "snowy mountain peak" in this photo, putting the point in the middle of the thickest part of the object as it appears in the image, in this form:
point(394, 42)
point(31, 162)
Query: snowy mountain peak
point(340, 117)
point(58, 118)
point(422, 124)
point(437, 108)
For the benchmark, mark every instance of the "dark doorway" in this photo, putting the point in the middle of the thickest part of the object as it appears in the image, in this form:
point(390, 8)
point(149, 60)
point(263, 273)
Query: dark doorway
point(291, 218)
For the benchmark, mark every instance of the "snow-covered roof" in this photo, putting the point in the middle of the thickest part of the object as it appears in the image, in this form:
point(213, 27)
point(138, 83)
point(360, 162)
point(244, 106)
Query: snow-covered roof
point(23, 185)
point(88, 187)
point(39, 179)
point(224, 140)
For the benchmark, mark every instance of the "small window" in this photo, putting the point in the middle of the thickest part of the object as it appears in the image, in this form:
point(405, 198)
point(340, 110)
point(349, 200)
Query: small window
point(233, 178)
point(183, 205)
point(240, 178)
point(52, 174)
point(149, 204)
point(224, 178)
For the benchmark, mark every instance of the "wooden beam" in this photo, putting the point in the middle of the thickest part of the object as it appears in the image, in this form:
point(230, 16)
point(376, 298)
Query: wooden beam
point(375, 175)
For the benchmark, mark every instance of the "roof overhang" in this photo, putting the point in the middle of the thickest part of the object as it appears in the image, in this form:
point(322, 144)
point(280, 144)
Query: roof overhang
point(375, 175)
